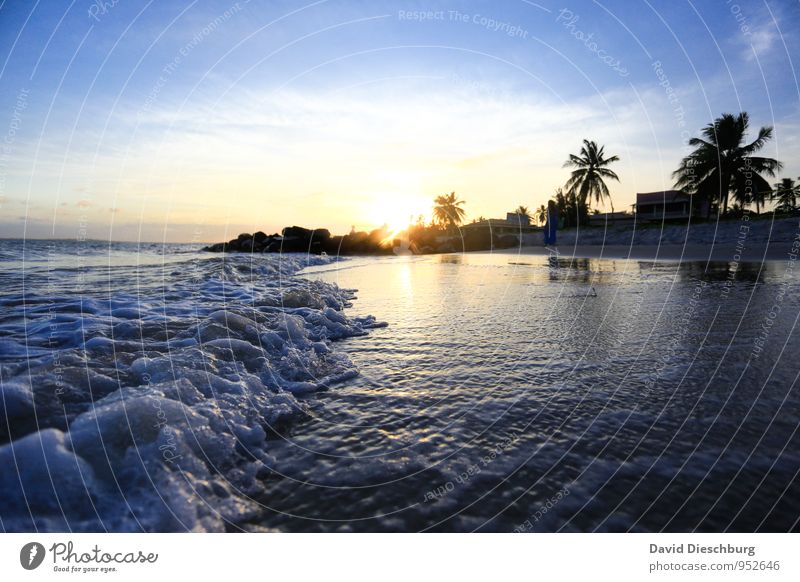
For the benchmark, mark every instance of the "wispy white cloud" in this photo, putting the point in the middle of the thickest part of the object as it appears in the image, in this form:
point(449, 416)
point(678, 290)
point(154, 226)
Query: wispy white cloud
point(759, 30)
point(335, 158)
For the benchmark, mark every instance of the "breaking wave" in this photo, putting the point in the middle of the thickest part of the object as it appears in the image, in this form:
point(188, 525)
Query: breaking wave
point(143, 396)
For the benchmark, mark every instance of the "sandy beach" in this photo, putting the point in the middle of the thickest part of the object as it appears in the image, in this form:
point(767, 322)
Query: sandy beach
point(746, 240)
point(672, 253)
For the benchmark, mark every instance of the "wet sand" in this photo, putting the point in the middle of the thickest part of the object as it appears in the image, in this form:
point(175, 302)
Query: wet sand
point(678, 253)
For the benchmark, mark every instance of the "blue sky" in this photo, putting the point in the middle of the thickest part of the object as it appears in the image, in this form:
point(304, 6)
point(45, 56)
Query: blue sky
point(198, 120)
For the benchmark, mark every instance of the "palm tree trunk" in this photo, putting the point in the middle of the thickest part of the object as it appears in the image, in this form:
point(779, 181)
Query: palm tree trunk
point(725, 186)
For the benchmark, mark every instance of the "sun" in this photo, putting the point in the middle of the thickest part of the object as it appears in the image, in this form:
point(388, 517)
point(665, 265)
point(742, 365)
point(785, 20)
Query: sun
point(397, 210)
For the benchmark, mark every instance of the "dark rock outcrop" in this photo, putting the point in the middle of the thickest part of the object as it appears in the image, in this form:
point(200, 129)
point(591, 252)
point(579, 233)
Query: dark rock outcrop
point(298, 239)
point(293, 239)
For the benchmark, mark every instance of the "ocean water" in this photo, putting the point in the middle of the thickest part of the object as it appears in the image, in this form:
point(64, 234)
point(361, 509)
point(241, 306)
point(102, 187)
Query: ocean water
point(142, 385)
point(165, 389)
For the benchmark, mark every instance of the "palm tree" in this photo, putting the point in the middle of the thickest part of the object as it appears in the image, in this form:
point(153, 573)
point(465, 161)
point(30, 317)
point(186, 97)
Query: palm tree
point(574, 211)
point(757, 197)
point(522, 211)
point(736, 210)
point(540, 214)
point(448, 211)
point(586, 181)
point(722, 164)
point(785, 194)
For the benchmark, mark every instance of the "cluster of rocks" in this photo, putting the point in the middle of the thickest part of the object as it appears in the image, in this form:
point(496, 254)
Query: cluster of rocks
point(258, 242)
point(296, 239)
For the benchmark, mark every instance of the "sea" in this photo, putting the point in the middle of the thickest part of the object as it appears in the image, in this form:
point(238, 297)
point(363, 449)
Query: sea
point(157, 387)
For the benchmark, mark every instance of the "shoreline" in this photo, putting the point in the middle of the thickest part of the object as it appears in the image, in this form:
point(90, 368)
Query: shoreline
point(659, 253)
point(747, 239)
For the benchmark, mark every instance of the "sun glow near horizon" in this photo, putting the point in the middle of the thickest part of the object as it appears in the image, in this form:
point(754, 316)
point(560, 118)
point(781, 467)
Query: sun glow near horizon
point(398, 210)
point(369, 135)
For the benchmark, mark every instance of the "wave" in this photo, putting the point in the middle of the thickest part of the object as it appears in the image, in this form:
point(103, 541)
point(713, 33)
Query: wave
point(151, 408)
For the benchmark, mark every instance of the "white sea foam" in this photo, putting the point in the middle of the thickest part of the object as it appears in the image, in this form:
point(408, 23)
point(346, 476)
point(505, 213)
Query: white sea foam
point(151, 408)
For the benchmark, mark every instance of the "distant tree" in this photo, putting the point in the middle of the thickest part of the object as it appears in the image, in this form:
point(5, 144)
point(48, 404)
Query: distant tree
point(540, 214)
point(522, 211)
point(575, 212)
point(757, 196)
point(587, 180)
point(447, 210)
point(785, 194)
point(736, 210)
point(722, 164)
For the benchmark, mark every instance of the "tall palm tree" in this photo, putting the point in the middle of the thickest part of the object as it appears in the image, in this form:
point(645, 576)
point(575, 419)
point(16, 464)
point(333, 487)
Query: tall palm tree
point(586, 181)
point(448, 211)
point(540, 214)
point(786, 194)
point(722, 164)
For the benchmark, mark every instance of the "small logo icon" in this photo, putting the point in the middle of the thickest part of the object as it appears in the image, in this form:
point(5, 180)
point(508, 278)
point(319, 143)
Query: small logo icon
point(31, 555)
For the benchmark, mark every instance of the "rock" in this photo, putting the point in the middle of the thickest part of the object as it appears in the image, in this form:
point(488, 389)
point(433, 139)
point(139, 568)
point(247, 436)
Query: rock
point(296, 232)
point(293, 245)
point(333, 245)
point(298, 239)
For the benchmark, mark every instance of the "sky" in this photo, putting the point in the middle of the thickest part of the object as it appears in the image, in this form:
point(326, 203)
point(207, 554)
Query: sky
point(189, 121)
